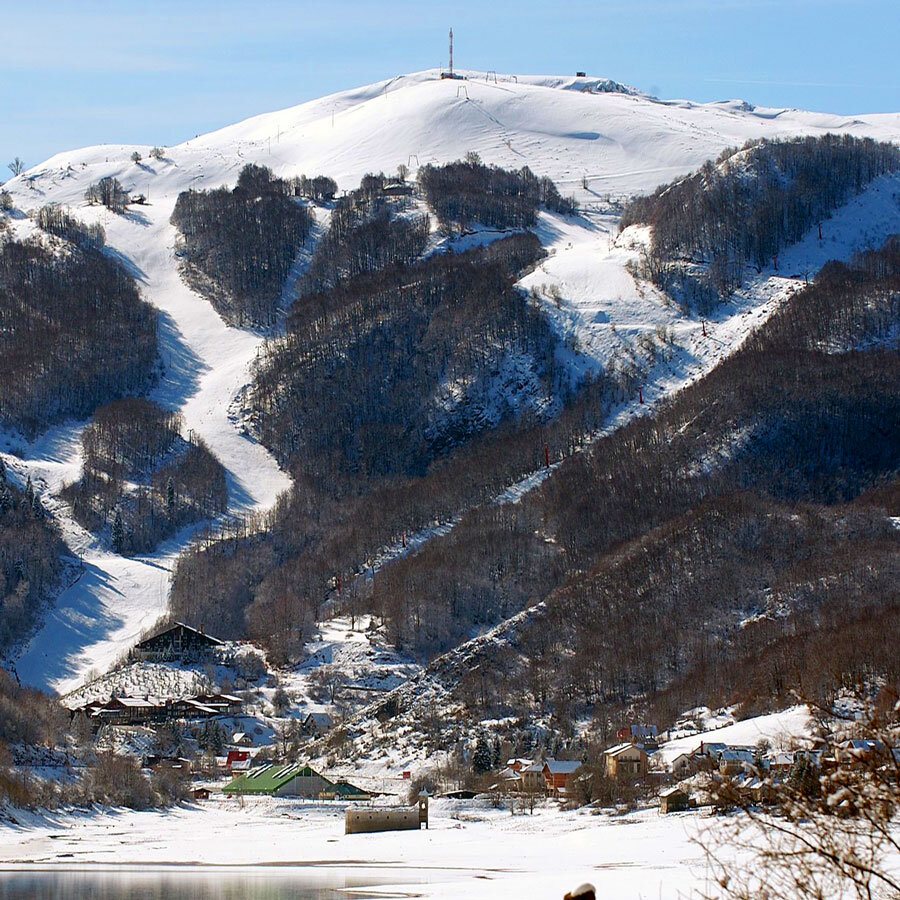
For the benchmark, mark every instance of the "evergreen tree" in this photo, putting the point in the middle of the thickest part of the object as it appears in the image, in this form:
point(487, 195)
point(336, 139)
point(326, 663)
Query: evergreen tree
point(2, 469)
point(6, 498)
point(170, 497)
point(118, 533)
point(481, 758)
point(28, 496)
point(218, 739)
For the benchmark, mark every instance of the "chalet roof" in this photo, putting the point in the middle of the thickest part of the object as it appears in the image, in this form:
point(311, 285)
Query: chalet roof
point(863, 744)
point(621, 748)
point(782, 758)
point(711, 748)
point(320, 718)
point(562, 766)
point(238, 736)
point(208, 638)
point(736, 754)
point(535, 767)
point(201, 707)
point(672, 791)
point(136, 702)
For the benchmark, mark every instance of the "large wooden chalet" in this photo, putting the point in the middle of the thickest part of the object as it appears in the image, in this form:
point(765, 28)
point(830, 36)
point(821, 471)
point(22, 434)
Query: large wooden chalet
point(180, 642)
point(148, 709)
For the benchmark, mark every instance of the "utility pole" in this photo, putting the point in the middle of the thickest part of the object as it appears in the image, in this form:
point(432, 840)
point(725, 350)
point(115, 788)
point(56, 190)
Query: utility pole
point(451, 52)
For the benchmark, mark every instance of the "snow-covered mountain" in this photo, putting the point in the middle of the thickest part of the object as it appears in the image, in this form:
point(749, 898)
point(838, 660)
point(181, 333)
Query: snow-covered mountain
point(596, 141)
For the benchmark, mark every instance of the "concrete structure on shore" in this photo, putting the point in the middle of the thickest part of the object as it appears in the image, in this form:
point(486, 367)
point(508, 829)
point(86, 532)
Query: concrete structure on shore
point(404, 818)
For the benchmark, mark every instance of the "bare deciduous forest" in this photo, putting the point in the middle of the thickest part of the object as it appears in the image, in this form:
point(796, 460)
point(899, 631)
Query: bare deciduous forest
point(369, 230)
point(74, 332)
point(397, 366)
point(177, 482)
point(31, 566)
point(746, 207)
point(238, 245)
point(726, 541)
point(466, 193)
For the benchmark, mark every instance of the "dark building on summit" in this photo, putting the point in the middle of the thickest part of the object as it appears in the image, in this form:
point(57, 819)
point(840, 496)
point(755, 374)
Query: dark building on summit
point(179, 643)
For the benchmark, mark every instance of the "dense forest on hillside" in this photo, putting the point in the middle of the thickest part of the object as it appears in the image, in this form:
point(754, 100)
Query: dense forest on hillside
point(720, 552)
point(270, 585)
point(803, 418)
point(749, 205)
point(28, 716)
point(238, 245)
point(55, 220)
point(466, 193)
point(369, 230)
point(30, 560)
point(140, 479)
point(74, 332)
point(428, 343)
point(395, 367)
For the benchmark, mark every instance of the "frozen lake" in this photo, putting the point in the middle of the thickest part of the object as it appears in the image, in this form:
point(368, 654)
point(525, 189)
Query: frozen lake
point(186, 883)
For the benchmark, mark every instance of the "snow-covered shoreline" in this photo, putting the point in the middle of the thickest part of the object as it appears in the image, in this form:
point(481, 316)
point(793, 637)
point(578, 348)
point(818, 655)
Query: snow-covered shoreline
point(470, 848)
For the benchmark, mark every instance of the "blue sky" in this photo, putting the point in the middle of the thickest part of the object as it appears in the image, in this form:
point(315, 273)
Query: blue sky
point(93, 71)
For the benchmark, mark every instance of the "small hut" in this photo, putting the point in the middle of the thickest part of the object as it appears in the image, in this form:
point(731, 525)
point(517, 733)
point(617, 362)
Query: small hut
point(673, 799)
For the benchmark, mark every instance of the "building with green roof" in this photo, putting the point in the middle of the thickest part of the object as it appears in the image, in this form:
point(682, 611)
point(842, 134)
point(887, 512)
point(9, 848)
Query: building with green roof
point(343, 790)
point(280, 780)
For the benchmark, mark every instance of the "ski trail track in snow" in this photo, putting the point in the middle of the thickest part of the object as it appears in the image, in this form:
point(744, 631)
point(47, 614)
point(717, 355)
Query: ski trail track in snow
point(597, 292)
point(550, 123)
point(205, 363)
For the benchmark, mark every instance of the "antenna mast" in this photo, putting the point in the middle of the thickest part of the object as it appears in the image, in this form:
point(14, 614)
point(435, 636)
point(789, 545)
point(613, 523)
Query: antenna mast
point(451, 52)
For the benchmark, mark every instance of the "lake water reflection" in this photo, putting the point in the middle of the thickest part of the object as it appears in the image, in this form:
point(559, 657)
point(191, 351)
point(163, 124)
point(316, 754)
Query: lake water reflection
point(201, 883)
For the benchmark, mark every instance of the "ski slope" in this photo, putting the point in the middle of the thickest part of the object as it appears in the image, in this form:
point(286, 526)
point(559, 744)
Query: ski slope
point(593, 144)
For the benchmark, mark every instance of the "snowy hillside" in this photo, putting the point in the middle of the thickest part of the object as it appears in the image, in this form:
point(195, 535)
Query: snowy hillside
point(598, 144)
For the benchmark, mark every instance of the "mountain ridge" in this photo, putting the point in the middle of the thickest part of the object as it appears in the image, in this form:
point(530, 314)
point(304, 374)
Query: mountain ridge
point(596, 144)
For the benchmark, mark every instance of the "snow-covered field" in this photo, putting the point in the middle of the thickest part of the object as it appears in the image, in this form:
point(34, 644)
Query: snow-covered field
point(470, 849)
point(592, 144)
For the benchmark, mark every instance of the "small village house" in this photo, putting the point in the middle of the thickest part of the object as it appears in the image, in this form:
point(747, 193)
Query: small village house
point(148, 709)
point(344, 790)
point(316, 724)
point(533, 777)
point(859, 751)
point(735, 760)
point(782, 762)
point(241, 739)
point(683, 765)
point(626, 760)
point(235, 756)
point(558, 773)
point(223, 704)
point(673, 799)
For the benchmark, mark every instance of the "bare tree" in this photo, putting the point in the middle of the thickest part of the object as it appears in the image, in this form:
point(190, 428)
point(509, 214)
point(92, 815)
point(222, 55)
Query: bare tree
point(828, 832)
point(17, 166)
